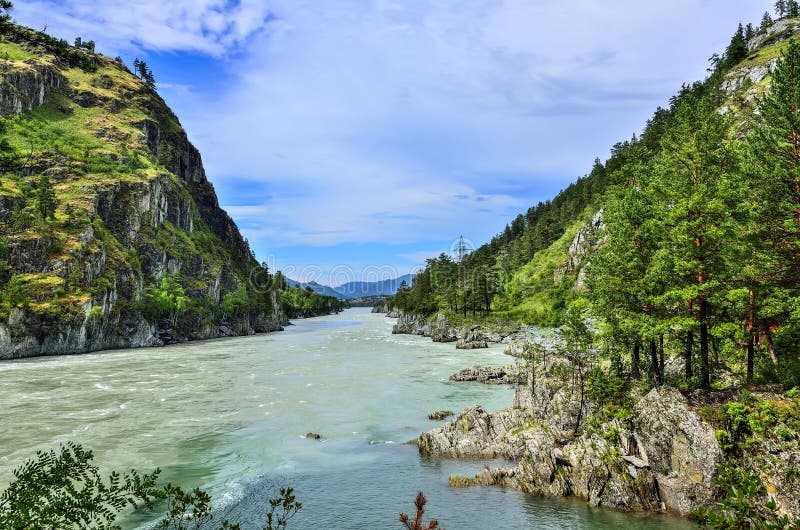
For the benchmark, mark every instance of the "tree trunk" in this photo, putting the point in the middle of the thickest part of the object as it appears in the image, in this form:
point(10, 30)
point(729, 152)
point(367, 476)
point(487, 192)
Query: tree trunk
point(770, 345)
point(751, 329)
point(654, 362)
point(705, 375)
point(715, 349)
point(687, 354)
point(635, 373)
point(661, 355)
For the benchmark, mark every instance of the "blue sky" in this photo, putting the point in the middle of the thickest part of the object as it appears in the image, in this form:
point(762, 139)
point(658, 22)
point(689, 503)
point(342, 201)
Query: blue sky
point(353, 136)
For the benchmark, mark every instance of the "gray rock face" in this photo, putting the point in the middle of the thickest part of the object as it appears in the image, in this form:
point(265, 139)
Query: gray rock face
point(28, 89)
point(735, 79)
point(472, 339)
point(474, 433)
point(130, 212)
point(779, 31)
point(663, 459)
point(754, 74)
point(441, 330)
point(681, 451)
point(587, 238)
point(508, 375)
point(411, 325)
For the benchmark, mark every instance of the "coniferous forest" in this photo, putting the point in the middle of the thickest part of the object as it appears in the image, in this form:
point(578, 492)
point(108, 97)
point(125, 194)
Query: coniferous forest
point(699, 249)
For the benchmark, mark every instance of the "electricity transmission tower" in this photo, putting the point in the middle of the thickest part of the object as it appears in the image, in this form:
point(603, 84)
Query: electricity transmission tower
point(461, 249)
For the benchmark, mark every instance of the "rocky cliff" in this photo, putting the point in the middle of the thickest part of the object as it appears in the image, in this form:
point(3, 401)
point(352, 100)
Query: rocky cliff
point(658, 451)
point(134, 250)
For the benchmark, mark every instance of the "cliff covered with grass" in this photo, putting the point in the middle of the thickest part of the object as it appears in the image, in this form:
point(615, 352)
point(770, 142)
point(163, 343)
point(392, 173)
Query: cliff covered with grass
point(112, 235)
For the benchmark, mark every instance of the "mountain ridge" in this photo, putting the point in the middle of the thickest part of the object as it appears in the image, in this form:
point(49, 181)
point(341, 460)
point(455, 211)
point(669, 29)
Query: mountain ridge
point(357, 289)
point(113, 236)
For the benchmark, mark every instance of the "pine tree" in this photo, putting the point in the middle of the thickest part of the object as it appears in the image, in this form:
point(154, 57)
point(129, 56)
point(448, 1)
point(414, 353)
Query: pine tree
point(5, 11)
point(774, 148)
point(749, 32)
point(46, 201)
point(766, 21)
point(620, 281)
point(737, 49)
point(144, 72)
point(696, 177)
point(780, 8)
point(775, 145)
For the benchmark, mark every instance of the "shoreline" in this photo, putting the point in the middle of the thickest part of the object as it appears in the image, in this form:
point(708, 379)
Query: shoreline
point(662, 457)
point(163, 345)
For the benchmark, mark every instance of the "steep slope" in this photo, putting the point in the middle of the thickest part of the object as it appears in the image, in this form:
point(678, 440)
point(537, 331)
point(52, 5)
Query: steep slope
point(134, 250)
point(533, 269)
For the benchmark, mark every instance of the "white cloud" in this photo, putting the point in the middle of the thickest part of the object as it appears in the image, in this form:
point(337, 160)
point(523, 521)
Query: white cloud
point(208, 26)
point(409, 120)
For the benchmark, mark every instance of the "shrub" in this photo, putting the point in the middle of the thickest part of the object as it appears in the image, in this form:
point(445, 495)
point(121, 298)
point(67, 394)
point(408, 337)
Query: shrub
point(743, 503)
point(737, 416)
point(725, 439)
point(63, 489)
point(166, 300)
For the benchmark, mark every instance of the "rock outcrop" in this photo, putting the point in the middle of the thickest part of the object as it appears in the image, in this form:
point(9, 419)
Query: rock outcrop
point(491, 375)
point(587, 238)
point(665, 459)
point(475, 433)
point(754, 70)
point(660, 456)
point(777, 32)
point(472, 339)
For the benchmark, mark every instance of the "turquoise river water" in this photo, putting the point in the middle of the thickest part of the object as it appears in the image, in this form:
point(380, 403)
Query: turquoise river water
point(230, 416)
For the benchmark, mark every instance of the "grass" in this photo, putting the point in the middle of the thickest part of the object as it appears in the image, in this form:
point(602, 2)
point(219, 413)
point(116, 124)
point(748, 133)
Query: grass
point(531, 295)
point(85, 150)
point(10, 51)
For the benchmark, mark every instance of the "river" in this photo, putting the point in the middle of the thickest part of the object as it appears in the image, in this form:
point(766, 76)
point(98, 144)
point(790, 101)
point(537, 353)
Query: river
point(230, 416)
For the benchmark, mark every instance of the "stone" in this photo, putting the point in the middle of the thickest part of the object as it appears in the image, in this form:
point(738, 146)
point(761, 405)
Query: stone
point(475, 433)
point(440, 415)
point(664, 458)
point(491, 375)
point(313, 436)
point(587, 239)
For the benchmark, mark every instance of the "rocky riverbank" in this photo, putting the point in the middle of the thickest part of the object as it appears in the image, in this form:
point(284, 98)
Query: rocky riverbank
point(473, 335)
point(629, 447)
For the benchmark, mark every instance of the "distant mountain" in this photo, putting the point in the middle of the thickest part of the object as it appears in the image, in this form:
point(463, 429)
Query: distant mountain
point(357, 289)
point(318, 288)
point(382, 288)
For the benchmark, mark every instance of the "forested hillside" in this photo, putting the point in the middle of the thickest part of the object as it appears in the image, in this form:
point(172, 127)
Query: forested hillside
point(684, 242)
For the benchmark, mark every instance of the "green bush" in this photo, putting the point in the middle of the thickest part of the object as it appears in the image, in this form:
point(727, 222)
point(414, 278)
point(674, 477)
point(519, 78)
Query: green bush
point(737, 416)
point(64, 490)
point(725, 439)
point(743, 503)
point(165, 300)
